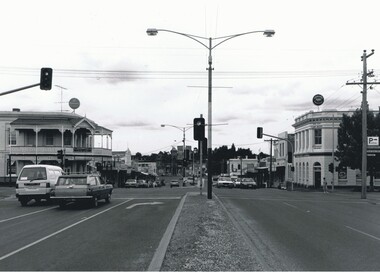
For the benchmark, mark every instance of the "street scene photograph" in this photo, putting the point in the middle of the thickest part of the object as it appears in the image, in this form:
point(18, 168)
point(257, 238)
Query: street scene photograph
point(189, 136)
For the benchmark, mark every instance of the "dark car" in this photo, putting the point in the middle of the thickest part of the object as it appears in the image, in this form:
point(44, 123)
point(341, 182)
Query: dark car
point(88, 188)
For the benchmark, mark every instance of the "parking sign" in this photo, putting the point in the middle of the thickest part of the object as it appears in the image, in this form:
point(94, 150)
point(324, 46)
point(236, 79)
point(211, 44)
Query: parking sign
point(373, 141)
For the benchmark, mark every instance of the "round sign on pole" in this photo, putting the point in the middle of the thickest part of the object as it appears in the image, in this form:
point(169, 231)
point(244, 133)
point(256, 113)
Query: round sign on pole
point(74, 103)
point(318, 99)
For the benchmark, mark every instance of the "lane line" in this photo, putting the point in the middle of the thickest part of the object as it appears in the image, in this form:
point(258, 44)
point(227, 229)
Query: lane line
point(141, 204)
point(149, 198)
point(364, 233)
point(59, 231)
point(27, 214)
point(159, 255)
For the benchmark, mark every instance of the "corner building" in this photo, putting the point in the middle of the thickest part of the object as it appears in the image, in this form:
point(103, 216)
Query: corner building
point(316, 137)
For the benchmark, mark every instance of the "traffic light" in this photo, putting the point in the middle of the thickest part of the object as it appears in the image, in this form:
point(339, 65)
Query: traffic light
point(290, 157)
point(46, 78)
point(331, 167)
point(60, 154)
point(199, 129)
point(259, 132)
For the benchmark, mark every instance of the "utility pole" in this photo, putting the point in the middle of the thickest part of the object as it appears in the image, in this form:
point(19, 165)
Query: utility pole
point(364, 82)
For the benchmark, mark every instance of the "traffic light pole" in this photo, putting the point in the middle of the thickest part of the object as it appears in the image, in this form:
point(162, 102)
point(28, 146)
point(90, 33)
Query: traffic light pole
point(20, 89)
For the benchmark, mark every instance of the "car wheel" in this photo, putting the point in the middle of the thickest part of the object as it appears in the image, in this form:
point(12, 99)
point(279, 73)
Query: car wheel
point(108, 198)
point(24, 202)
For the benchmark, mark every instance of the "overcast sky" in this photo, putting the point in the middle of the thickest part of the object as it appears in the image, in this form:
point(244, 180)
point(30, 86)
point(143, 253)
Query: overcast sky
point(131, 83)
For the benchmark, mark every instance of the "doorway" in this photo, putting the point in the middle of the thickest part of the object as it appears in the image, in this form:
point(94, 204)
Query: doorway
point(317, 175)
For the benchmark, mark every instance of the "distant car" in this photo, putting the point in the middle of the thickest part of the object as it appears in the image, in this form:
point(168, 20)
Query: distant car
point(131, 183)
point(225, 182)
point(174, 183)
point(248, 183)
point(88, 188)
point(142, 183)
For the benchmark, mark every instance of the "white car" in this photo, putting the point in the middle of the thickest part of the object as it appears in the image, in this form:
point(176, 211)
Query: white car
point(248, 183)
point(225, 182)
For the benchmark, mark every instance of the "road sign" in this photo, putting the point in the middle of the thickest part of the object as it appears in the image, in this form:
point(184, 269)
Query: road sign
point(373, 141)
point(318, 99)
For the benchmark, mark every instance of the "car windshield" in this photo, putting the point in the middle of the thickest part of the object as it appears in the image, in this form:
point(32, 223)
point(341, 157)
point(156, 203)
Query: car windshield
point(35, 173)
point(72, 181)
point(225, 179)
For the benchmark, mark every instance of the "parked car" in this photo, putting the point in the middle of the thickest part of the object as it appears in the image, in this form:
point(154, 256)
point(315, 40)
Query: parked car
point(225, 182)
point(88, 188)
point(174, 183)
point(36, 182)
point(248, 183)
point(131, 183)
point(142, 183)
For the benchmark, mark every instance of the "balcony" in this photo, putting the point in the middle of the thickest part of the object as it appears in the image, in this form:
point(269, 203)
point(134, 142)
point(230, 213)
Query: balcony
point(52, 150)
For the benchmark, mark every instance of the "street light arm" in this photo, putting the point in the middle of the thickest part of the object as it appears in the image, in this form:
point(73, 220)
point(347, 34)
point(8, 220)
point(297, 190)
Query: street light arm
point(190, 36)
point(268, 33)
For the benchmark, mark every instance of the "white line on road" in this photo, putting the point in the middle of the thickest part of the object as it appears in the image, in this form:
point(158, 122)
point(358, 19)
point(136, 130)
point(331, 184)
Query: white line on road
point(59, 231)
point(364, 233)
point(27, 214)
point(159, 255)
point(140, 204)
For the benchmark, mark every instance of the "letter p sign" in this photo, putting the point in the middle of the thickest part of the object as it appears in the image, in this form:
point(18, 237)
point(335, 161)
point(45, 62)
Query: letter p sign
point(373, 141)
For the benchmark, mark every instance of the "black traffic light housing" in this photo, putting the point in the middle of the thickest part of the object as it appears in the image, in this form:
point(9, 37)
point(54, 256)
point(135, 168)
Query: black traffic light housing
point(46, 78)
point(60, 154)
point(199, 129)
point(331, 167)
point(259, 132)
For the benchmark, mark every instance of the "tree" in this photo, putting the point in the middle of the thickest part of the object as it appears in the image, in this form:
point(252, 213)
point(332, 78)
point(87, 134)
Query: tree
point(349, 149)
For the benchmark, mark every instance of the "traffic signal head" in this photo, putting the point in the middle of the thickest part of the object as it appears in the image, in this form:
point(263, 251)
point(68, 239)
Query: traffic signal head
point(331, 167)
point(199, 129)
point(46, 78)
point(60, 154)
point(259, 132)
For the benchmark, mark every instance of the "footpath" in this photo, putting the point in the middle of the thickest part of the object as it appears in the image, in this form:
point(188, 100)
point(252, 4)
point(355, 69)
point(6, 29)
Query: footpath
point(205, 239)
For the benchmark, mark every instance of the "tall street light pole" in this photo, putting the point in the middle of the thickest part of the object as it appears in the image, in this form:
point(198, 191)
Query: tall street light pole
point(210, 47)
point(183, 129)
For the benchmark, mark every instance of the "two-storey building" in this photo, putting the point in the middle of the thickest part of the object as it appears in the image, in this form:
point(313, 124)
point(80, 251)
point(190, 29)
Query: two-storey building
point(37, 137)
point(316, 139)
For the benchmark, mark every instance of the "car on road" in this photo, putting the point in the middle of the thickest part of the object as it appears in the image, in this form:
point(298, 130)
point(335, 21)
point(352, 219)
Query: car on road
point(248, 183)
point(142, 183)
point(36, 182)
point(131, 183)
point(225, 182)
point(88, 188)
point(174, 183)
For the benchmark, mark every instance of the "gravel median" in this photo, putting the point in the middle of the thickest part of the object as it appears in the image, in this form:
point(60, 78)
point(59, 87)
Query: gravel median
point(205, 239)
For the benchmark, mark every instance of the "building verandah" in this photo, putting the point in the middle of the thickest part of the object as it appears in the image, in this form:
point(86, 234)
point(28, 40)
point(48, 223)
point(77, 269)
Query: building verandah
point(37, 138)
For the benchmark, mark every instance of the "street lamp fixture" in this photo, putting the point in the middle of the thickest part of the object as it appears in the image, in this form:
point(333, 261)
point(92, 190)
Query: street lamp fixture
point(210, 47)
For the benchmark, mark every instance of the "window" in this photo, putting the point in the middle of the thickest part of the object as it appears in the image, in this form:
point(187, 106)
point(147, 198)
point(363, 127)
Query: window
point(30, 138)
point(12, 138)
point(318, 136)
point(49, 139)
point(67, 138)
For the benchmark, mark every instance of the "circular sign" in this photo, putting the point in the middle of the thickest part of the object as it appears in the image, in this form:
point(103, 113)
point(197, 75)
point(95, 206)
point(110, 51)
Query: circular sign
point(74, 103)
point(318, 99)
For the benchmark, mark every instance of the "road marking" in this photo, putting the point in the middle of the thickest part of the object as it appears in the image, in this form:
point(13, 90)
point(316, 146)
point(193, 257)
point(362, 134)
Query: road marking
point(364, 233)
point(140, 204)
point(159, 255)
point(150, 198)
point(59, 231)
point(290, 205)
point(27, 214)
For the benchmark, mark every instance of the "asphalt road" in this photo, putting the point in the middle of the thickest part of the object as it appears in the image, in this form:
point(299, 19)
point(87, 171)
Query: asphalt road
point(122, 235)
point(284, 230)
point(308, 230)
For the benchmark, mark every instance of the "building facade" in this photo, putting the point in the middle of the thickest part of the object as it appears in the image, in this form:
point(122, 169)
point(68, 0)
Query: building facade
point(37, 137)
point(316, 139)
